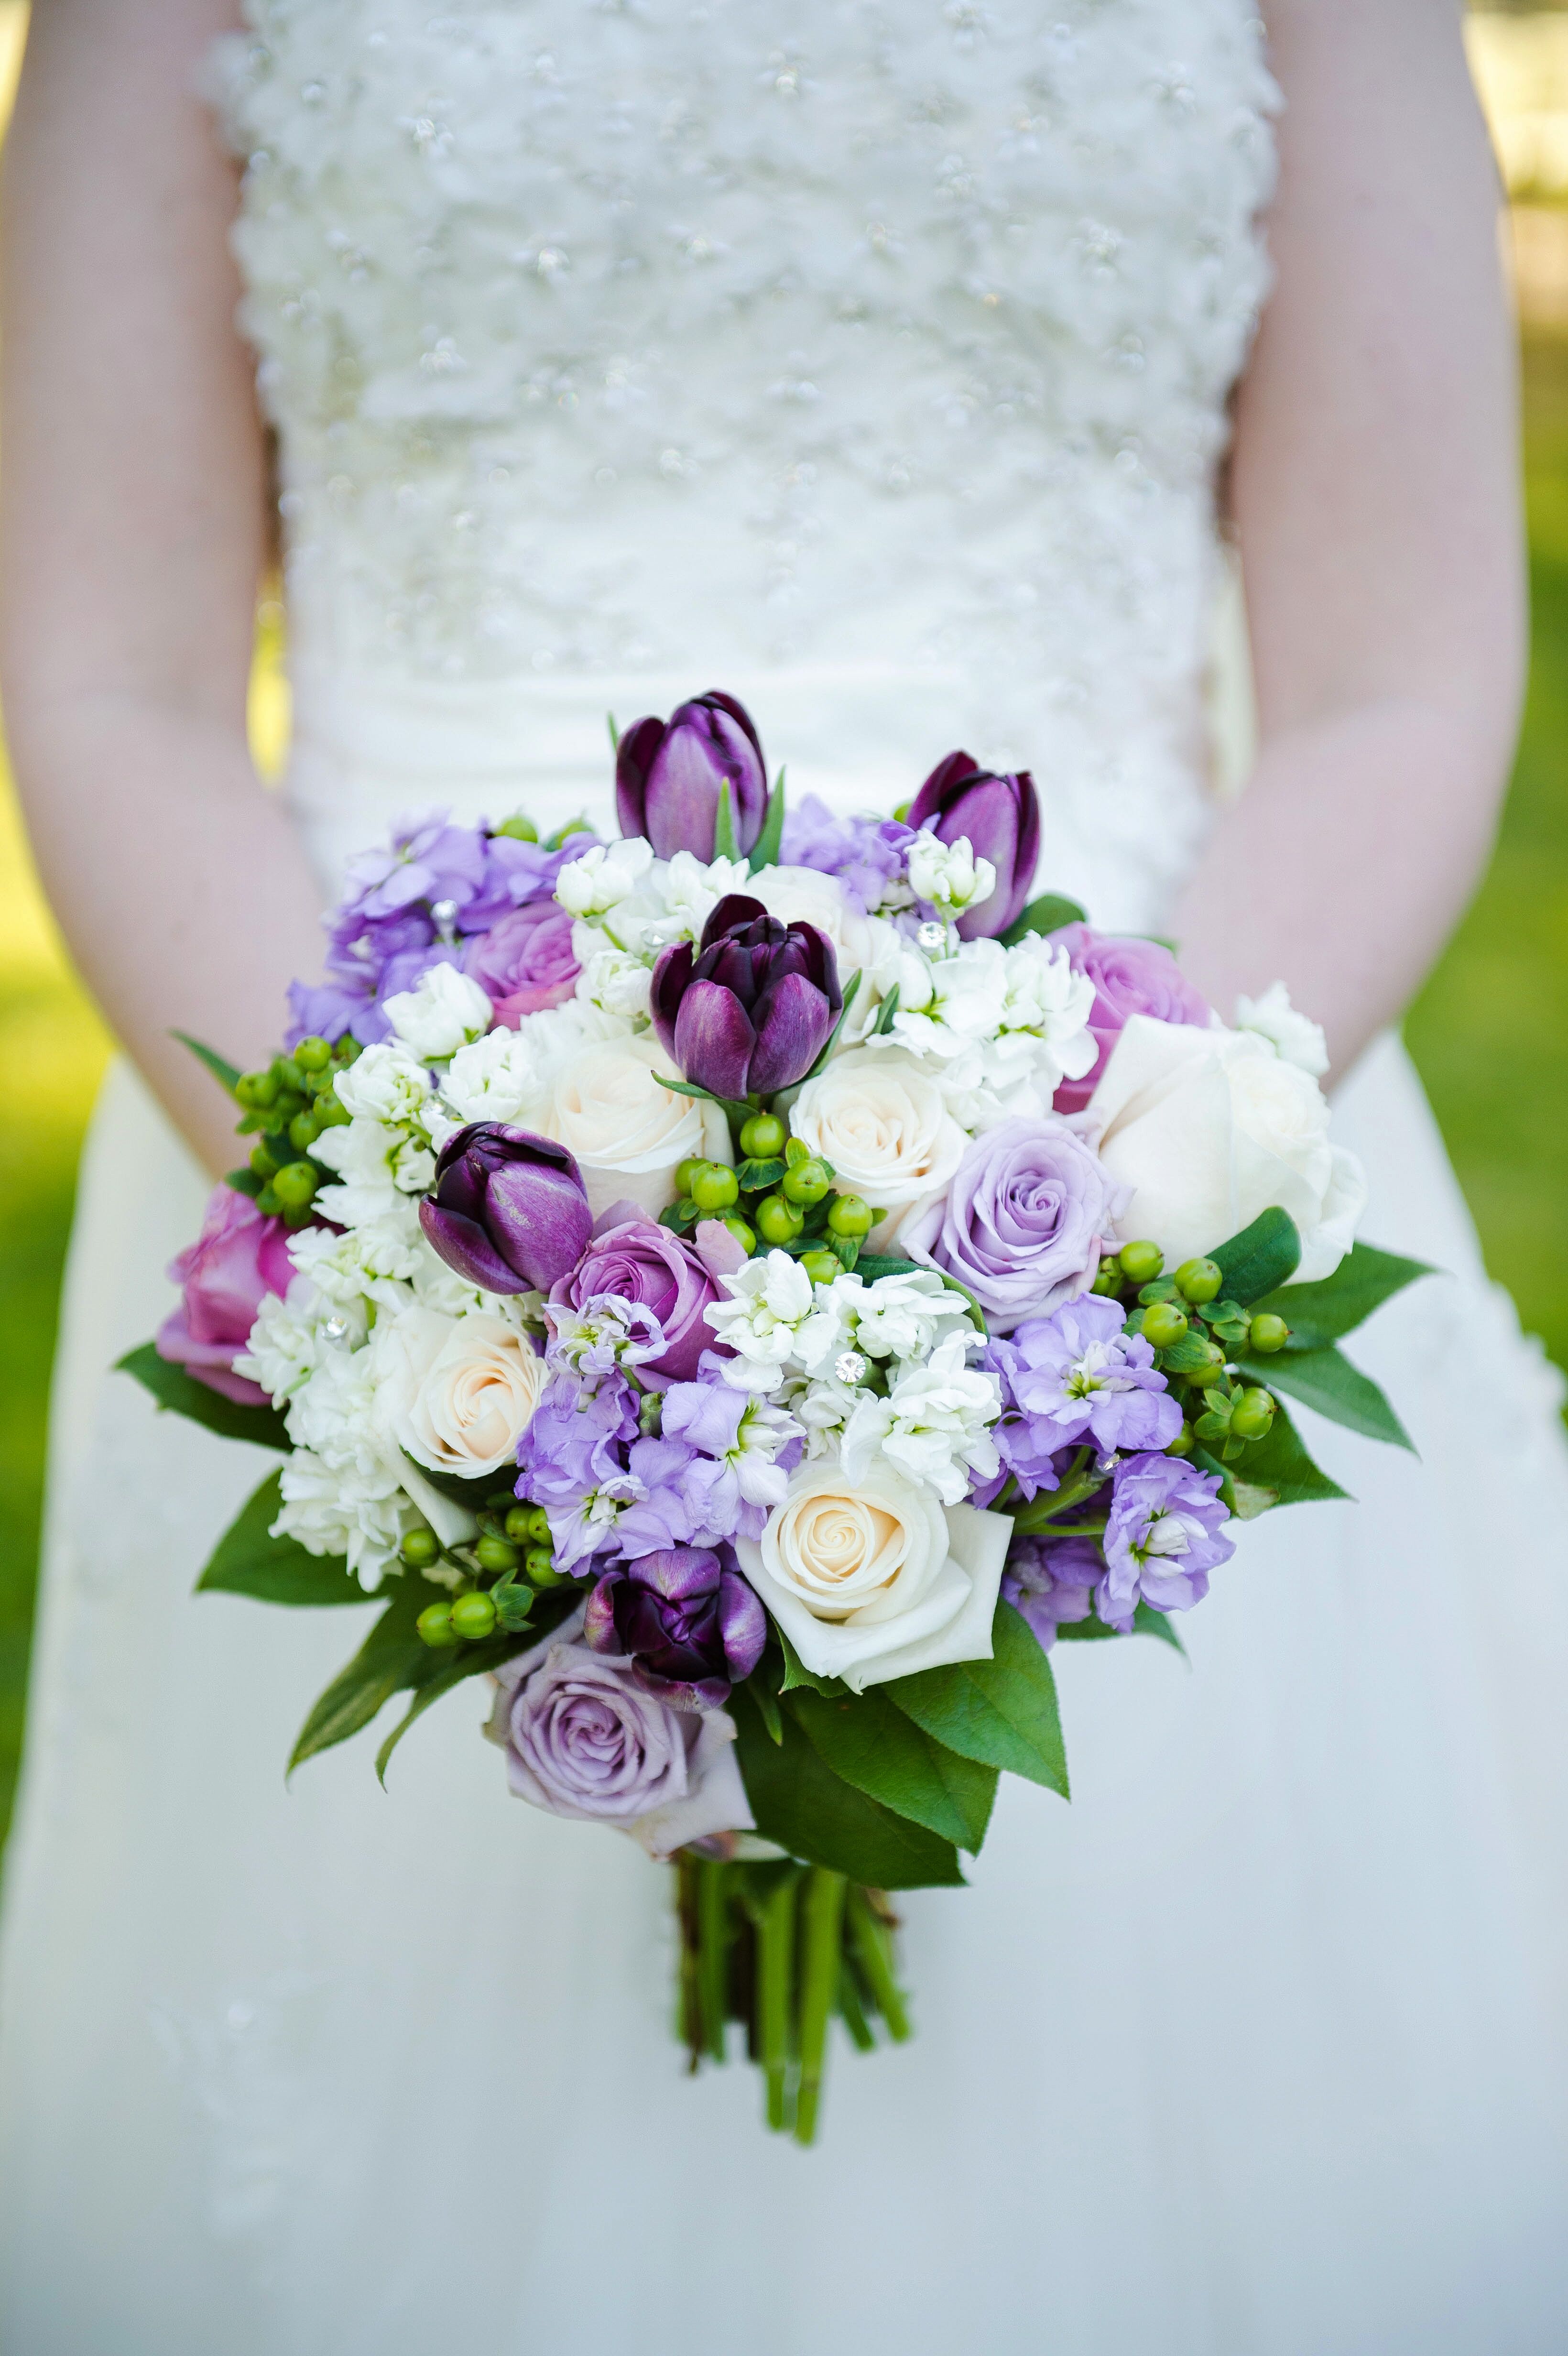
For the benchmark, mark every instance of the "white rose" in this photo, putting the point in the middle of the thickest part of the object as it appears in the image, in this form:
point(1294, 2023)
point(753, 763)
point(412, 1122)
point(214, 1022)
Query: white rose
point(868, 946)
point(457, 1392)
point(884, 1125)
point(1299, 1039)
point(1209, 1128)
point(606, 1105)
point(444, 1011)
point(873, 1580)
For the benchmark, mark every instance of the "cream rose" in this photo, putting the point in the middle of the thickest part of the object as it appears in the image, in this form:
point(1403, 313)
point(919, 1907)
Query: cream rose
point(864, 944)
point(883, 1123)
point(873, 1578)
point(1208, 1129)
point(630, 1134)
point(457, 1392)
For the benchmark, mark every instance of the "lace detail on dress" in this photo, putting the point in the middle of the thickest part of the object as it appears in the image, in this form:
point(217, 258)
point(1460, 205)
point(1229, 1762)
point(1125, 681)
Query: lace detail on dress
point(621, 337)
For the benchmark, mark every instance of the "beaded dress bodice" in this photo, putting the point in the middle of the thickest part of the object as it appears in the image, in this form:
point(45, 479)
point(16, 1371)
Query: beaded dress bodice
point(878, 352)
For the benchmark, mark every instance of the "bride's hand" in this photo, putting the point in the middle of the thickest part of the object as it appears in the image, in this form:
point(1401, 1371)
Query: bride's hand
point(1376, 498)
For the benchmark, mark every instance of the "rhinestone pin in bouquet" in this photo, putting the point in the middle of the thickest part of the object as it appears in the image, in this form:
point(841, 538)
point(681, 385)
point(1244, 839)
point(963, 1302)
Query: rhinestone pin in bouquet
point(746, 1293)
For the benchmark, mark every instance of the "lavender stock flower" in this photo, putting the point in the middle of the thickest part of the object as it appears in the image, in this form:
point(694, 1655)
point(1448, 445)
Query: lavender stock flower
point(1052, 1580)
point(687, 1619)
point(1000, 818)
point(669, 774)
point(868, 855)
point(508, 1211)
point(1164, 1535)
point(752, 1007)
point(1078, 1375)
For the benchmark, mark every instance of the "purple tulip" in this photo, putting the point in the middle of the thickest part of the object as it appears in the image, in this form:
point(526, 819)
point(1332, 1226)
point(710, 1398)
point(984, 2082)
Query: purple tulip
point(752, 1007)
point(508, 1210)
point(689, 1622)
point(1001, 817)
point(670, 774)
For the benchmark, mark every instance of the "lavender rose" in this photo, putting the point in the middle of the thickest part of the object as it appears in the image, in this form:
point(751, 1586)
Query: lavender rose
point(585, 1740)
point(237, 1260)
point(1130, 977)
point(1021, 1220)
point(525, 962)
point(686, 1618)
point(679, 1282)
point(1078, 1375)
point(1052, 1580)
point(1164, 1535)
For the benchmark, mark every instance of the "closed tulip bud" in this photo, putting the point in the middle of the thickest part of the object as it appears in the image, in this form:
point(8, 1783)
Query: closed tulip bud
point(751, 1008)
point(999, 816)
point(670, 774)
point(508, 1211)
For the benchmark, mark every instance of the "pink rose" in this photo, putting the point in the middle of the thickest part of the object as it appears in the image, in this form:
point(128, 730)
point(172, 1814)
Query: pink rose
point(238, 1259)
point(524, 963)
point(1130, 977)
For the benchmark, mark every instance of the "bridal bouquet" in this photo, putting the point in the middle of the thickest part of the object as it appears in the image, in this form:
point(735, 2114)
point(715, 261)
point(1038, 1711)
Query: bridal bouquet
point(747, 1292)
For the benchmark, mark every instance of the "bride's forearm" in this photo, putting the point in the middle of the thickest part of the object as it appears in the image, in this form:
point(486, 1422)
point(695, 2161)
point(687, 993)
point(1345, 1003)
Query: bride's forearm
point(1345, 864)
point(179, 883)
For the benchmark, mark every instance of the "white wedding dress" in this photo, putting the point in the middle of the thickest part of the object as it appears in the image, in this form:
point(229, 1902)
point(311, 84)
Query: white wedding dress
point(869, 361)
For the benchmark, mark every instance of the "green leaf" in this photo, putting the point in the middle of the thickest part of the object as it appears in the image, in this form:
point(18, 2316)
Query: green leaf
point(614, 732)
point(796, 1674)
point(247, 1561)
point(1261, 1258)
point(1046, 915)
point(850, 987)
point(765, 849)
point(1220, 1473)
point(885, 1014)
point(183, 1395)
point(1187, 1355)
point(724, 843)
point(1325, 1379)
point(872, 1744)
point(1147, 1622)
point(800, 1802)
point(226, 1075)
point(1335, 1305)
point(244, 1181)
point(735, 1106)
point(1001, 1711)
point(447, 1677)
point(768, 1703)
point(1278, 1471)
point(872, 1265)
point(756, 1177)
point(395, 1659)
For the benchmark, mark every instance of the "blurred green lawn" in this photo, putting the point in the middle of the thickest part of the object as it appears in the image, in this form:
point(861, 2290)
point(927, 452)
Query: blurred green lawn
point(1490, 1034)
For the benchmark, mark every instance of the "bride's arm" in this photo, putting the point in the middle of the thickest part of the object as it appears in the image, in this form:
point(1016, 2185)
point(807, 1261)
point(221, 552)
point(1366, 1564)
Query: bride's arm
point(131, 537)
point(1376, 497)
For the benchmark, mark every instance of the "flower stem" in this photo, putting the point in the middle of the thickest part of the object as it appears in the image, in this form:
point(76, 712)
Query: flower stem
point(712, 1954)
point(775, 1975)
point(818, 1996)
point(871, 1953)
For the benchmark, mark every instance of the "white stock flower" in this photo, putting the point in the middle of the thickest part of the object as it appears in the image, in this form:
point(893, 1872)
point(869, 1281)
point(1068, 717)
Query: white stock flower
point(1296, 1036)
point(385, 1083)
point(1211, 1128)
point(764, 1430)
point(901, 1316)
point(611, 978)
point(336, 1415)
point(286, 1340)
point(337, 1511)
point(948, 874)
point(443, 1011)
point(774, 1316)
point(871, 1579)
point(949, 1004)
point(456, 1393)
point(607, 1105)
point(501, 1076)
point(933, 1424)
point(868, 946)
point(362, 1262)
point(379, 1167)
point(1047, 999)
point(591, 886)
point(882, 1122)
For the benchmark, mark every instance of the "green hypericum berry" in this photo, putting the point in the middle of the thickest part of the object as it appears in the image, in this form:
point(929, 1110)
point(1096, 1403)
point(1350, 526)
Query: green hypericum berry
point(849, 1217)
point(538, 1565)
point(1164, 1325)
point(714, 1188)
point(256, 1091)
point(1141, 1262)
point(521, 828)
point(496, 1554)
point(472, 1616)
point(519, 1525)
point(807, 1182)
point(778, 1222)
point(289, 1074)
point(744, 1236)
point(347, 1050)
point(762, 1137)
point(1200, 1280)
point(434, 1625)
point(1109, 1280)
point(263, 1161)
point(305, 1129)
point(294, 1185)
point(687, 1174)
point(1253, 1414)
point(1182, 1444)
point(1268, 1333)
point(822, 1266)
point(331, 1112)
point(420, 1548)
point(313, 1055)
point(539, 1527)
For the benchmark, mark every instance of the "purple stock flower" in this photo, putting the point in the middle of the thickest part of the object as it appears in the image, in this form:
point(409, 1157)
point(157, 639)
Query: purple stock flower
point(1051, 1581)
point(525, 962)
point(1164, 1535)
point(679, 1282)
point(752, 1007)
point(508, 1210)
point(571, 1460)
point(1078, 1375)
point(669, 774)
point(1022, 1220)
point(870, 856)
point(687, 1619)
point(1130, 977)
point(1001, 817)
